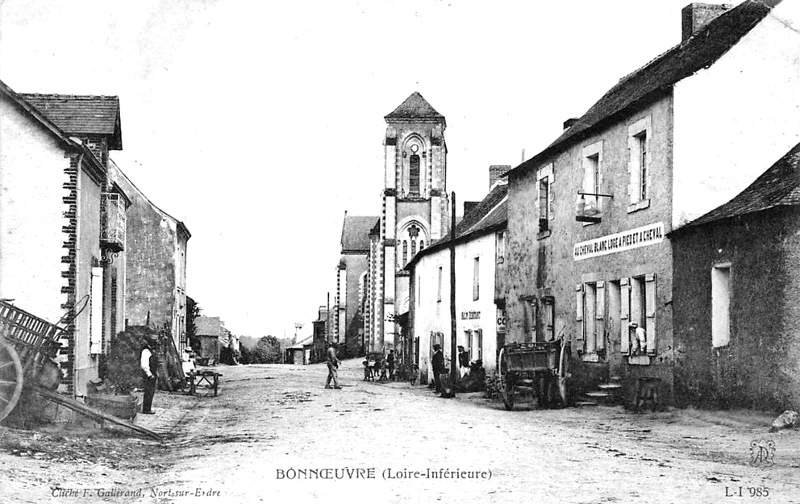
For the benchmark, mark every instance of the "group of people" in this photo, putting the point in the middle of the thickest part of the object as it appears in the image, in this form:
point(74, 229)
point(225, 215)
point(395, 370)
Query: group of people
point(471, 375)
point(381, 370)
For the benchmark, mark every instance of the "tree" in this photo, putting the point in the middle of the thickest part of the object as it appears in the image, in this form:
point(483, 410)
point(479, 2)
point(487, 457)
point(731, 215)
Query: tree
point(192, 312)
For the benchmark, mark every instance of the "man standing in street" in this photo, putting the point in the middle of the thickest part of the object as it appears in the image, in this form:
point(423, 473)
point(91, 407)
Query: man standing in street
point(333, 367)
point(149, 364)
point(437, 361)
point(390, 364)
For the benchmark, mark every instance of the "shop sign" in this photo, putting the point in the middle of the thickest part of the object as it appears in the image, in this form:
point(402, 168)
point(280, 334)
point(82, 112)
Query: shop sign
point(470, 315)
point(618, 242)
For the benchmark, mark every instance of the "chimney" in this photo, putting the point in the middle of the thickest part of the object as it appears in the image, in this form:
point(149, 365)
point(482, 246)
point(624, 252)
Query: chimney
point(469, 206)
point(569, 122)
point(696, 15)
point(496, 172)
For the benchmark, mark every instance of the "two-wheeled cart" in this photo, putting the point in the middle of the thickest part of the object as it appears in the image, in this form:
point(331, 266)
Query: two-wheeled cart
point(28, 348)
point(539, 368)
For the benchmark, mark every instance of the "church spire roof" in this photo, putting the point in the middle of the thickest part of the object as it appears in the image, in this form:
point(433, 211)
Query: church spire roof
point(415, 107)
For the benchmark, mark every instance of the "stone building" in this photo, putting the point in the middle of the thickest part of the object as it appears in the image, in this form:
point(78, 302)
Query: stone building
point(351, 275)
point(589, 216)
point(479, 268)
point(156, 264)
point(736, 297)
point(62, 221)
point(213, 335)
point(415, 213)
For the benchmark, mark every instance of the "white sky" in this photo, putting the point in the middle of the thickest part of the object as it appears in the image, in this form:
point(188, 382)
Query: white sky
point(258, 123)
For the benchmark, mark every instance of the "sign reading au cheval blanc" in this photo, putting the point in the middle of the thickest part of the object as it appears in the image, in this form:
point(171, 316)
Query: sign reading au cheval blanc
point(651, 234)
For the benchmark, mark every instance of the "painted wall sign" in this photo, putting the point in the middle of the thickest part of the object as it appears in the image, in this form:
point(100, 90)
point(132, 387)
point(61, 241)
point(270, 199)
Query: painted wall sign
point(470, 315)
point(651, 234)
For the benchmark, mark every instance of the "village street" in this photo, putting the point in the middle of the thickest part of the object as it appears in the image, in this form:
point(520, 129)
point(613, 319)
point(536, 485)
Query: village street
point(270, 422)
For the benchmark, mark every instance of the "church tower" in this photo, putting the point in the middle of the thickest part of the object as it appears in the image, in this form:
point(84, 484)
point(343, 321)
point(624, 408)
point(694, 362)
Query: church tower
point(415, 206)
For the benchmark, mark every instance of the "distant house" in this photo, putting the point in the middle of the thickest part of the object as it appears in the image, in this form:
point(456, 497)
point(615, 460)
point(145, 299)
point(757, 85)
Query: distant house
point(300, 353)
point(212, 335)
point(62, 221)
point(736, 296)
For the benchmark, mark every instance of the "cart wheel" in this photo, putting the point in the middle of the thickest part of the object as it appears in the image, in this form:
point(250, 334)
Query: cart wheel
point(563, 375)
point(10, 379)
point(508, 396)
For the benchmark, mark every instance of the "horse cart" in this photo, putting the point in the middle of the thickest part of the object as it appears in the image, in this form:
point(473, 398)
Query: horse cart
point(28, 349)
point(539, 368)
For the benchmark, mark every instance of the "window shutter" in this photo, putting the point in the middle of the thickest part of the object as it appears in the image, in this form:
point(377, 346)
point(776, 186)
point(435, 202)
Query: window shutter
point(600, 315)
point(96, 321)
point(650, 312)
point(551, 197)
point(579, 311)
point(624, 314)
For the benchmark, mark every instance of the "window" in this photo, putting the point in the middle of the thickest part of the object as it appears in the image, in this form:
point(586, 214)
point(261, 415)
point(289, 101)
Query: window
point(413, 175)
point(500, 253)
point(640, 184)
point(476, 287)
point(413, 247)
point(405, 252)
point(720, 305)
point(590, 317)
point(544, 207)
point(544, 201)
point(641, 160)
point(592, 181)
point(476, 345)
point(439, 289)
point(638, 306)
point(421, 244)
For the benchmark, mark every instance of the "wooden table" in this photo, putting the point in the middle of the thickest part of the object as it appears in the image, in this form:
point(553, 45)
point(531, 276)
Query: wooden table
point(210, 378)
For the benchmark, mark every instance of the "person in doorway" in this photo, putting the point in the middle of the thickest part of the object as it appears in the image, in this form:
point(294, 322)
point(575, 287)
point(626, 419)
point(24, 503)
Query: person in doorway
point(149, 364)
point(637, 339)
point(437, 362)
point(463, 361)
point(390, 364)
point(333, 367)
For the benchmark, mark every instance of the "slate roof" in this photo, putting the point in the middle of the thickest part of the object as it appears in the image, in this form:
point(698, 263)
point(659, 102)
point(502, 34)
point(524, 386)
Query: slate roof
point(778, 186)
point(81, 115)
point(355, 232)
point(490, 214)
point(700, 51)
point(415, 107)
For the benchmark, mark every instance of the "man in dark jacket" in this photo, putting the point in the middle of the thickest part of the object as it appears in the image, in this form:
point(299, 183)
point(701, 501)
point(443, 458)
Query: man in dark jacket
point(390, 364)
point(149, 364)
point(333, 367)
point(437, 362)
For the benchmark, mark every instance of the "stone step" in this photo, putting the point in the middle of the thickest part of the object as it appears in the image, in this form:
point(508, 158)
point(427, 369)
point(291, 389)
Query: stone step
point(585, 403)
point(610, 386)
point(598, 394)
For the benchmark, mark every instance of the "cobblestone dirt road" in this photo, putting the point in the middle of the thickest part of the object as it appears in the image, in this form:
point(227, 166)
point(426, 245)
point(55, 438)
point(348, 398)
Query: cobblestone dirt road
point(274, 434)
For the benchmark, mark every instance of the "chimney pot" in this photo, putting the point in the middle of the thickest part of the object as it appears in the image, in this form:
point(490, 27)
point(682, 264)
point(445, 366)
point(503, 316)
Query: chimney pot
point(696, 15)
point(496, 172)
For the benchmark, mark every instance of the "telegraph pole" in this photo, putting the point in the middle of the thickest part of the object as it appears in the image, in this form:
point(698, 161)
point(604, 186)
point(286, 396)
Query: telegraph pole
point(453, 347)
